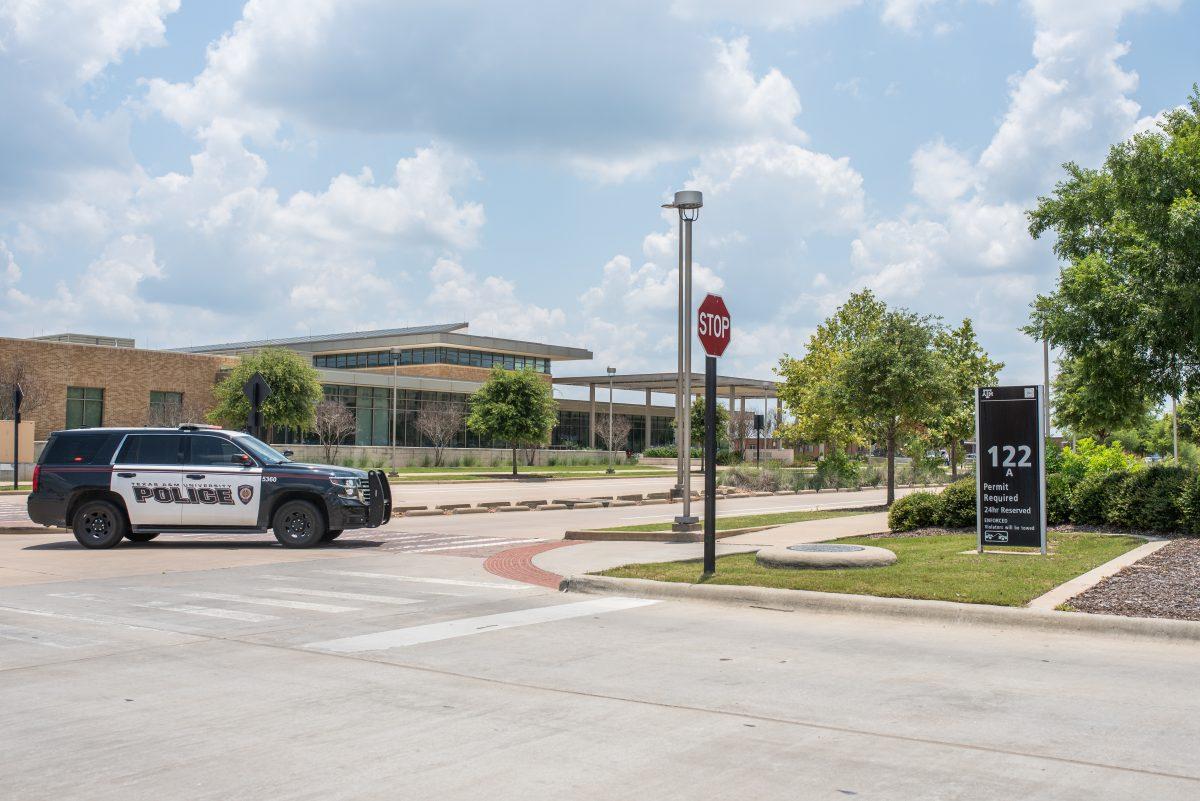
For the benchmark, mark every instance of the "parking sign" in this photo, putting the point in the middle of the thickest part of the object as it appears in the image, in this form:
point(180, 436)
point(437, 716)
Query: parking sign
point(1010, 470)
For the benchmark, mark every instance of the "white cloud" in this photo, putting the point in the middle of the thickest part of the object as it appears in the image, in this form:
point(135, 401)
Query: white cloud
point(941, 174)
point(904, 13)
point(519, 87)
point(770, 14)
point(1073, 103)
point(71, 43)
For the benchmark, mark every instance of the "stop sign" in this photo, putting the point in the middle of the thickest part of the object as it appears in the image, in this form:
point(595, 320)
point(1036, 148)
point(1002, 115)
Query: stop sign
point(713, 325)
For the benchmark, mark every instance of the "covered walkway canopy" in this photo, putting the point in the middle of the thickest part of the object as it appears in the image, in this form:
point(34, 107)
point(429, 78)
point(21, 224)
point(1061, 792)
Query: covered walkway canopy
point(668, 383)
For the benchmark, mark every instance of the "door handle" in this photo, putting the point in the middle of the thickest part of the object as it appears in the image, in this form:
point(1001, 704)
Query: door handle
point(126, 475)
point(195, 476)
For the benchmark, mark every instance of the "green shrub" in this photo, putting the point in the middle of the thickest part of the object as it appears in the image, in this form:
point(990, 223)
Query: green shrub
point(958, 505)
point(661, 452)
point(1148, 500)
point(1058, 499)
point(917, 510)
point(870, 476)
point(1189, 506)
point(836, 469)
point(1088, 458)
point(1094, 495)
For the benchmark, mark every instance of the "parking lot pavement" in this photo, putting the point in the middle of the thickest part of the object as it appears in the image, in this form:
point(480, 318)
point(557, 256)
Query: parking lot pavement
point(420, 675)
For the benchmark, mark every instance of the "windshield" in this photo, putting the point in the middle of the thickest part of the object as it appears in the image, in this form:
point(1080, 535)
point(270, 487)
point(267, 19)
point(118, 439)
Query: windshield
point(261, 450)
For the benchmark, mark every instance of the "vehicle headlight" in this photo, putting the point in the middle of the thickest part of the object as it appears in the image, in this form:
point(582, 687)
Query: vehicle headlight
point(349, 487)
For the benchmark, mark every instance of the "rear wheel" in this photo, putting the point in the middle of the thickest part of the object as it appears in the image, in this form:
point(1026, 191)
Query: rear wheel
point(332, 534)
point(98, 524)
point(298, 524)
point(141, 536)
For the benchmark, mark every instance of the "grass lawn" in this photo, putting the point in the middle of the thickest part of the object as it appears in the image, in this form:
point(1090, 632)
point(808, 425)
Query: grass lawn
point(746, 521)
point(491, 473)
point(930, 567)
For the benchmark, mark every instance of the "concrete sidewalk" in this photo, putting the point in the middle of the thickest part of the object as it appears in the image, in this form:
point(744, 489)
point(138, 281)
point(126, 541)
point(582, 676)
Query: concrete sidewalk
point(589, 557)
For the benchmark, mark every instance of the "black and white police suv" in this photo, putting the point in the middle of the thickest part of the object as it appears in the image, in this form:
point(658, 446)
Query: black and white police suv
point(136, 483)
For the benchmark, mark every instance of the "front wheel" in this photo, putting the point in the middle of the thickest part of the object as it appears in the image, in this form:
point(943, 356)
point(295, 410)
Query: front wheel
point(141, 536)
point(98, 524)
point(332, 534)
point(298, 524)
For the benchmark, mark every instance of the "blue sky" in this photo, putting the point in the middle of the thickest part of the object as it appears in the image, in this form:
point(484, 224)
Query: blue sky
point(187, 172)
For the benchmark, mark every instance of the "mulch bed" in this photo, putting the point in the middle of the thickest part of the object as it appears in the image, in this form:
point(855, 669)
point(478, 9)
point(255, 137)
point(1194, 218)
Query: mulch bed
point(1164, 584)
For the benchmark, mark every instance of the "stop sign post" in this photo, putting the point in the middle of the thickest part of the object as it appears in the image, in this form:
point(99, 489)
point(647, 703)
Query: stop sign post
point(713, 327)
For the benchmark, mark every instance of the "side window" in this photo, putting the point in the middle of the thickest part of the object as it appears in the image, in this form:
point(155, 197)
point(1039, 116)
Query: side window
point(212, 451)
point(152, 449)
point(80, 448)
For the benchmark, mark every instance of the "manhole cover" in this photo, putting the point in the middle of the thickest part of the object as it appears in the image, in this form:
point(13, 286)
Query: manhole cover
point(825, 548)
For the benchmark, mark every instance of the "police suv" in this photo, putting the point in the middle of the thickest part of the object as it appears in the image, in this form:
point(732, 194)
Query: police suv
point(136, 483)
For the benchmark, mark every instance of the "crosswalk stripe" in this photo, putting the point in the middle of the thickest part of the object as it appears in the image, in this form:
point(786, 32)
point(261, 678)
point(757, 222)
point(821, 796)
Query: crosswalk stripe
point(346, 596)
point(211, 611)
point(488, 585)
point(243, 599)
point(167, 606)
point(484, 544)
point(465, 627)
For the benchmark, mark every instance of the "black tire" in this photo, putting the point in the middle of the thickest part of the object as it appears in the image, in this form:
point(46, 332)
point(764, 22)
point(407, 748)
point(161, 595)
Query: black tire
point(332, 534)
point(98, 524)
point(141, 536)
point(298, 524)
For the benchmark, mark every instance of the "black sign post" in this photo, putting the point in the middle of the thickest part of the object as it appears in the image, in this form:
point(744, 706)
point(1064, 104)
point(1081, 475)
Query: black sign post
point(18, 396)
point(759, 423)
point(710, 464)
point(256, 390)
point(1010, 467)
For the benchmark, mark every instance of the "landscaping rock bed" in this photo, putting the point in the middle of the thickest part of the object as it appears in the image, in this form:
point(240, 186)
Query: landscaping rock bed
point(1164, 584)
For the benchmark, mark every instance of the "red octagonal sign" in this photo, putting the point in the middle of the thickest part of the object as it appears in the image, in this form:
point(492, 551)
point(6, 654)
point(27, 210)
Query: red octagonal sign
point(713, 325)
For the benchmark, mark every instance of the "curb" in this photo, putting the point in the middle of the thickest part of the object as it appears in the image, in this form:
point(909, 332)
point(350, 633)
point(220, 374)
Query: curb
point(601, 535)
point(933, 611)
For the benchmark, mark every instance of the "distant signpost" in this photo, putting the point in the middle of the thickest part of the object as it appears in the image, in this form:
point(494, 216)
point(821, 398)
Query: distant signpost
point(257, 390)
point(1010, 467)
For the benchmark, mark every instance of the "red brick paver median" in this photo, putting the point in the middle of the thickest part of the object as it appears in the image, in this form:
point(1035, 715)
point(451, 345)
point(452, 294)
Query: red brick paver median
point(517, 564)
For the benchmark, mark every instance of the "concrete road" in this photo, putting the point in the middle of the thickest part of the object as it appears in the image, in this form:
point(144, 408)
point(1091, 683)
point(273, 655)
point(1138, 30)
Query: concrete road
point(374, 673)
point(480, 491)
point(552, 524)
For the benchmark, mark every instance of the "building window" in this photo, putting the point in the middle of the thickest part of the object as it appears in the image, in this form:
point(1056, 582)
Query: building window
point(85, 407)
point(472, 358)
point(166, 408)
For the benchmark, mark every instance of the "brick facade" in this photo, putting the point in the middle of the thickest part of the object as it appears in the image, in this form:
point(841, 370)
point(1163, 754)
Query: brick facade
point(127, 376)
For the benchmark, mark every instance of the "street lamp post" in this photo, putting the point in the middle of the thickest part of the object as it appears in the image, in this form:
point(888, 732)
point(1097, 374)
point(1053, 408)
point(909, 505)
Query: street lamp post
point(395, 361)
point(611, 371)
point(688, 204)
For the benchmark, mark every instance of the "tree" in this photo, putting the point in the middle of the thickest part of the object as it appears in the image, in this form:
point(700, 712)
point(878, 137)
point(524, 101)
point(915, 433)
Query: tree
point(622, 424)
point(440, 422)
point(894, 381)
point(739, 429)
point(172, 415)
point(967, 366)
point(295, 391)
point(1092, 401)
point(811, 387)
point(697, 431)
point(17, 372)
point(333, 422)
point(516, 407)
point(871, 374)
point(1126, 306)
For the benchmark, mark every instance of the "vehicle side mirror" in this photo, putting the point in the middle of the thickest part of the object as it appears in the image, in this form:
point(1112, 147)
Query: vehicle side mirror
point(289, 454)
point(240, 459)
